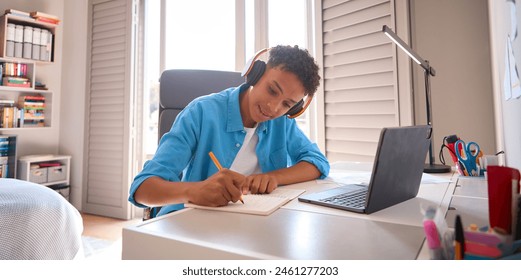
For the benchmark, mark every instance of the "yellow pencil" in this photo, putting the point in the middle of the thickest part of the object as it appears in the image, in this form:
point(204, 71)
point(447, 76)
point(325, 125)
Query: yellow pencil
point(219, 166)
point(215, 161)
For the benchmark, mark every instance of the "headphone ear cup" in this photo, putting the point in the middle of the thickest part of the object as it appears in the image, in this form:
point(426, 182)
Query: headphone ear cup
point(256, 72)
point(296, 108)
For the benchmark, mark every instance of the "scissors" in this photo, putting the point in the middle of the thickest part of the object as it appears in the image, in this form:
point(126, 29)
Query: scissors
point(467, 154)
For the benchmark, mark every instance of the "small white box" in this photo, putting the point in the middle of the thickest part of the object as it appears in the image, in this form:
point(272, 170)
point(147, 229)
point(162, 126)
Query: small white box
point(56, 173)
point(38, 175)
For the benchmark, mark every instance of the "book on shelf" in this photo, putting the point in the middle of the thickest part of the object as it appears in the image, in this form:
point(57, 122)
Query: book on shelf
point(33, 123)
point(8, 119)
point(16, 82)
point(6, 102)
point(4, 147)
point(4, 156)
point(4, 170)
point(40, 86)
point(20, 117)
point(49, 164)
point(13, 69)
point(32, 102)
point(47, 20)
point(31, 111)
point(44, 17)
point(32, 98)
point(257, 204)
point(33, 106)
point(18, 13)
point(8, 84)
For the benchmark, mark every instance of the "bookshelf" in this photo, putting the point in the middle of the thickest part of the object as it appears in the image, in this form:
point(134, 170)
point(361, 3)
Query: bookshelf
point(12, 45)
point(24, 69)
point(52, 171)
point(15, 98)
point(26, 40)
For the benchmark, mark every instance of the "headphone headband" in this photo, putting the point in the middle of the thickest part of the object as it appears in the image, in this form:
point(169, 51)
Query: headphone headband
point(249, 64)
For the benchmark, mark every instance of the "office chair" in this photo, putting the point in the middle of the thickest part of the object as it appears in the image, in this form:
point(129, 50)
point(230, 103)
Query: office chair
point(179, 87)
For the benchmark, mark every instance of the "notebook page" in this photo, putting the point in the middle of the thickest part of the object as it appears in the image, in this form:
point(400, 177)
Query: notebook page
point(256, 204)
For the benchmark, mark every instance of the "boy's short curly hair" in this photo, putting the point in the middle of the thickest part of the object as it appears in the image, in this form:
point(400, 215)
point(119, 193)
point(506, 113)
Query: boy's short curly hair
point(297, 61)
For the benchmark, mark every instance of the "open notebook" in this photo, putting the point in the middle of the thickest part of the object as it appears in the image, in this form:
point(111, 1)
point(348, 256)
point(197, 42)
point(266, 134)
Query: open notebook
point(257, 204)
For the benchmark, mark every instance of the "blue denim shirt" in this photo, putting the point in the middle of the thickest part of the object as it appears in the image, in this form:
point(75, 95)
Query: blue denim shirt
point(214, 123)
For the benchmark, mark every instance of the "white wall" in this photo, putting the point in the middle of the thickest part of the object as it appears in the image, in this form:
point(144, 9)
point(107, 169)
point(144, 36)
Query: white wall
point(508, 113)
point(454, 37)
point(73, 86)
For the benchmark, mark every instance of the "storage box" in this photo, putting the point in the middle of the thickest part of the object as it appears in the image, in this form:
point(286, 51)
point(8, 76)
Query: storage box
point(63, 190)
point(56, 173)
point(38, 175)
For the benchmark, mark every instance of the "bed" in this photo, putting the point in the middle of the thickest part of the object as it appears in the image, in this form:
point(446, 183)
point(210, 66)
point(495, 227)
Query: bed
point(37, 223)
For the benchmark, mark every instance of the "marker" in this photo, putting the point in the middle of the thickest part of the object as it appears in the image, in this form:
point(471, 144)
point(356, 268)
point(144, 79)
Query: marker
point(433, 239)
point(459, 241)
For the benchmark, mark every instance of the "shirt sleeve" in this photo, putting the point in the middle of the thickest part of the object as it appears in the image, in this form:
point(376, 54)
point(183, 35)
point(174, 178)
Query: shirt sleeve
point(300, 148)
point(174, 151)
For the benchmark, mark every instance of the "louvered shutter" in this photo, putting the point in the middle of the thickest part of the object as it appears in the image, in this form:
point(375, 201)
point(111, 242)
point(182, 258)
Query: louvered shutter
point(359, 77)
point(109, 106)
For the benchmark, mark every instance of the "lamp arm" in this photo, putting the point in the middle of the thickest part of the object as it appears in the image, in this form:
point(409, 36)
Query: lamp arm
point(417, 58)
point(428, 71)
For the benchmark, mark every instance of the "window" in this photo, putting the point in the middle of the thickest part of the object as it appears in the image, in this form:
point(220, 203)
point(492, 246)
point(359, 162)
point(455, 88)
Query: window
point(200, 38)
point(221, 36)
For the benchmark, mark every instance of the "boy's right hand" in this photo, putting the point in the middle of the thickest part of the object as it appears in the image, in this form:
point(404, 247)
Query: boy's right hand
point(218, 190)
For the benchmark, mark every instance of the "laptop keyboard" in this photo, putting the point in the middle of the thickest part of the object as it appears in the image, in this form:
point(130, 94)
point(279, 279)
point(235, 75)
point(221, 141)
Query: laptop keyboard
point(354, 199)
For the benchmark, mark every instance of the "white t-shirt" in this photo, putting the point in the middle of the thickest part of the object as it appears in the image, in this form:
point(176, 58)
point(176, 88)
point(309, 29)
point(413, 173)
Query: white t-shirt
point(246, 161)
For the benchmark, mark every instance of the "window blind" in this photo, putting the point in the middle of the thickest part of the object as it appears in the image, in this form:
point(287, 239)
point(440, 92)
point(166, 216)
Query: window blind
point(359, 77)
point(109, 98)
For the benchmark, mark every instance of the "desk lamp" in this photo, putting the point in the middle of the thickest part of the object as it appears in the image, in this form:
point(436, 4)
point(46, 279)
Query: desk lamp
point(431, 167)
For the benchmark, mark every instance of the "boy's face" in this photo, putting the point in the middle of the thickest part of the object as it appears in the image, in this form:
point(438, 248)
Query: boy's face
point(271, 97)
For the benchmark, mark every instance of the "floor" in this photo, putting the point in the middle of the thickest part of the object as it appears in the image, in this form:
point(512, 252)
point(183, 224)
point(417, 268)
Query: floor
point(105, 233)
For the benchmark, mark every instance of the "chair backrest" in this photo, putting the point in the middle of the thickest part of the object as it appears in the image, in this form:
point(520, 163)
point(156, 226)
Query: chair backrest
point(177, 88)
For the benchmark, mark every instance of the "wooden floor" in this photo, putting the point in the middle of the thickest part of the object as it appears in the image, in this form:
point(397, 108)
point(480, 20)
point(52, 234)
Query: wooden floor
point(108, 229)
point(104, 227)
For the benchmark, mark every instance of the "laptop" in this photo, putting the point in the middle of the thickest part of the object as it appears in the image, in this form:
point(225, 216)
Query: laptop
point(396, 175)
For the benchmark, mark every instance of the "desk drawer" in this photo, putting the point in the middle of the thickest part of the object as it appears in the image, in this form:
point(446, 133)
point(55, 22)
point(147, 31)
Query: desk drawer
point(472, 211)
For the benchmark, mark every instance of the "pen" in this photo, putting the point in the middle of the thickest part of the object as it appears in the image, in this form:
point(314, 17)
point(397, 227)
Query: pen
point(219, 166)
point(459, 241)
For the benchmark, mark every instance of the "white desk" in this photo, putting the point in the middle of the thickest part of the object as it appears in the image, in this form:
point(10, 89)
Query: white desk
point(470, 201)
point(296, 231)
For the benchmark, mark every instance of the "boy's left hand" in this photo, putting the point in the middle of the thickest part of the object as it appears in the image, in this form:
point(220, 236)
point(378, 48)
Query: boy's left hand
point(259, 183)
